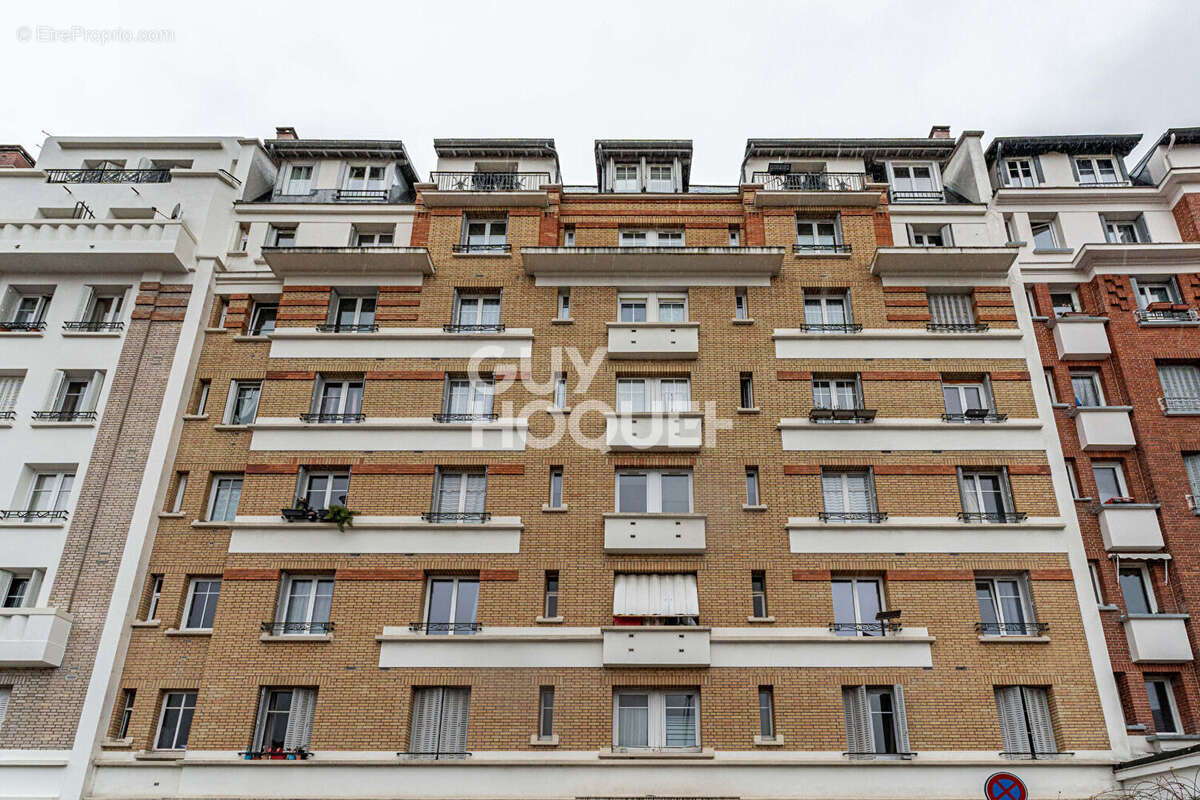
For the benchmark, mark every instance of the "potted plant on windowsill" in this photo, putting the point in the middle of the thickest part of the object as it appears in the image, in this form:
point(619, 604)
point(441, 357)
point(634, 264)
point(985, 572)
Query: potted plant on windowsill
point(340, 516)
point(301, 512)
point(1118, 500)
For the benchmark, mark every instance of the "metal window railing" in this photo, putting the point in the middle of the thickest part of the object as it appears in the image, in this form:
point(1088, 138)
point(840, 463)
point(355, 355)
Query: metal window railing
point(13, 325)
point(975, 415)
point(297, 628)
point(8, 413)
point(1012, 628)
point(821, 248)
point(444, 417)
point(323, 417)
point(28, 513)
point(362, 195)
point(489, 181)
point(993, 516)
point(867, 754)
point(445, 627)
point(435, 755)
point(811, 181)
point(1035, 755)
point(456, 328)
point(896, 196)
point(853, 516)
point(831, 327)
point(482, 248)
point(296, 754)
point(337, 327)
point(64, 416)
point(822, 414)
point(1190, 403)
point(456, 516)
point(108, 176)
point(94, 325)
point(1166, 315)
point(956, 327)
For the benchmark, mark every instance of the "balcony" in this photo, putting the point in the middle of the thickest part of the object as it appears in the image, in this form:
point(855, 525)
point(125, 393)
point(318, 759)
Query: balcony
point(814, 189)
point(654, 431)
point(993, 517)
point(435, 433)
point(108, 176)
point(1167, 314)
point(859, 415)
point(1160, 638)
point(33, 637)
point(898, 196)
point(428, 533)
point(322, 417)
point(486, 189)
point(975, 262)
point(94, 326)
point(65, 416)
point(96, 246)
point(644, 340)
point(654, 533)
point(329, 261)
point(657, 646)
point(1103, 427)
point(1130, 526)
point(1080, 338)
point(1182, 404)
point(674, 266)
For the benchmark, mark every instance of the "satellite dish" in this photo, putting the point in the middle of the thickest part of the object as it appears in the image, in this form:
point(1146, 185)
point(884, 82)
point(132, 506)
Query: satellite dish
point(175, 211)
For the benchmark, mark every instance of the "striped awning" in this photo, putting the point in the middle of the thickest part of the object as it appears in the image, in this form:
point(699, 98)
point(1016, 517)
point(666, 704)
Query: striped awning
point(671, 595)
point(1140, 556)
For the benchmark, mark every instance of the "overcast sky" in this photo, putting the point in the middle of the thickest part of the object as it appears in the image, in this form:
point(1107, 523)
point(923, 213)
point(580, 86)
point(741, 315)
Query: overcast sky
point(714, 72)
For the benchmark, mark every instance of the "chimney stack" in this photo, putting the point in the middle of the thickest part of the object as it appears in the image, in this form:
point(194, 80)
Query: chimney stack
point(939, 132)
point(286, 132)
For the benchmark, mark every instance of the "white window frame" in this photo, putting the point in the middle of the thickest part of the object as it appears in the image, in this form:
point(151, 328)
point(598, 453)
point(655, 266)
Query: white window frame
point(41, 306)
point(463, 476)
point(1097, 590)
point(551, 596)
point(812, 224)
point(844, 474)
point(1143, 285)
point(235, 387)
point(360, 312)
point(1072, 292)
point(626, 183)
point(826, 298)
point(766, 712)
point(545, 713)
point(62, 485)
point(451, 623)
point(1147, 586)
point(924, 235)
point(753, 493)
point(564, 304)
point(974, 488)
point(156, 586)
point(1051, 389)
point(162, 715)
point(191, 596)
point(1115, 228)
point(282, 235)
point(370, 238)
point(935, 175)
point(283, 607)
point(1118, 471)
point(181, 482)
point(480, 395)
point(654, 399)
point(836, 386)
point(560, 390)
point(478, 303)
point(33, 580)
point(656, 719)
point(490, 238)
point(654, 489)
point(660, 185)
point(555, 499)
point(1051, 225)
point(758, 596)
point(366, 182)
point(202, 399)
point(343, 405)
point(961, 387)
point(256, 320)
point(1024, 595)
point(1026, 175)
point(854, 581)
point(115, 310)
point(741, 304)
point(653, 237)
point(1172, 702)
point(1073, 480)
point(652, 301)
point(1094, 378)
point(215, 491)
point(1093, 164)
point(293, 185)
point(306, 480)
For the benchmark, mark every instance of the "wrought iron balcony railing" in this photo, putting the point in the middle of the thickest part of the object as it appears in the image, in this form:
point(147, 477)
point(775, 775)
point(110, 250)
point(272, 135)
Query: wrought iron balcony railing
point(8, 413)
point(482, 248)
point(29, 513)
point(1035, 755)
point(64, 416)
point(1145, 315)
point(435, 755)
point(444, 417)
point(94, 325)
point(319, 416)
point(853, 516)
point(993, 516)
point(831, 327)
point(456, 328)
point(812, 181)
point(821, 414)
point(456, 516)
point(1012, 628)
point(956, 327)
point(896, 196)
point(297, 628)
point(975, 415)
point(362, 195)
point(866, 628)
point(445, 627)
point(297, 754)
point(1188, 403)
point(489, 181)
point(863, 755)
point(13, 325)
point(337, 327)
point(108, 176)
point(821, 248)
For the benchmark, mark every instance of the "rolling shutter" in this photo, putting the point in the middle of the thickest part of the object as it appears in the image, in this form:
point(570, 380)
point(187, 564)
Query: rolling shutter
point(426, 720)
point(1037, 708)
point(951, 309)
point(455, 708)
point(10, 387)
point(1012, 719)
point(901, 719)
point(300, 719)
point(655, 596)
point(859, 741)
point(5, 694)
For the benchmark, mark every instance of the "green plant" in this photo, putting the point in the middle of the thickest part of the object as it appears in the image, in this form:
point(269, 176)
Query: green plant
point(340, 516)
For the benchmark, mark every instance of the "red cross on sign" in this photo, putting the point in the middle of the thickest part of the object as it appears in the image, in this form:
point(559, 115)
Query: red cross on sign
point(1004, 786)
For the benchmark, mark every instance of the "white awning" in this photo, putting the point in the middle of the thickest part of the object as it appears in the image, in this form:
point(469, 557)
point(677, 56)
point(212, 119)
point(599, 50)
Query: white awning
point(1140, 556)
point(655, 596)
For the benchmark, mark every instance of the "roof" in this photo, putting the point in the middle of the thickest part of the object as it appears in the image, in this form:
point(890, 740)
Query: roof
point(389, 149)
point(1182, 136)
point(18, 150)
point(932, 149)
point(1154, 758)
point(1120, 144)
point(648, 148)
point(495, 148)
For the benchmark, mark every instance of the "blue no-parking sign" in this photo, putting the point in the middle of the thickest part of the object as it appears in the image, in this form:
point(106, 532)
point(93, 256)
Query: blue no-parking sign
point(1004, 786)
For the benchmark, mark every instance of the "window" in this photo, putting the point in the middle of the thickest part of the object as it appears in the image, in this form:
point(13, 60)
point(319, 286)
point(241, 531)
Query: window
point(352, 312)
point(175, 721)
point(1156, 291)
point(5, 696)
point(10, 389)
point(1124, 231)
point(1181, 387)
point(656, 720)
point(560, 390)
point(1049, 373)
point(1096, 170)
point(876, 723)
point(460, 495)
point(758, 594)
point(564, 303)
point(439, 721)
point(766, 712)
point(1191, 465)
point(818, 235)
point(912, 179)
point(103, 308)
point(652, 307)
point(826, 309)
point(1094, 572)
point(1110, 480)
point(735, 236)
point(1161, 694)
point(486, 235)
point(1064, 302)
point(202, 398)
point(836, 393)
point(856, 604)
point(950, 309)
point(1031, 302)
point(1044, 235)
point(985, 495)
point(156, 585)
point(741, 305)
point(746, 390)
point(201, 603)
point(20, 589)
point(550, 607)
point(337, 400)
point(127, 696)
point(660, 178)
point(50, 491)
point(752, 498)
point(848, 495)
point(965, 399)
point(362, 177)
point(930, 236)
point(652, 238)
point(568, 235)
point(324, 489)
point(242, 407)
point(466, 398)
point(1136, 590)
point(654, 492)
point(556, 487)
point(226, 492)
point(625, 178)
point(1005, 608)
point(1073, 479)
point(241, 238)
point(1019, 172)
point(306, 601)
point(262, 319)
point(657, 395)
point(285, 720)
point(477, 311)
point(29, 310)
point(546, 712)
point(299, 179)
point(77, 394)
point(279, 236)
point(655, 599)
point(1025, 721)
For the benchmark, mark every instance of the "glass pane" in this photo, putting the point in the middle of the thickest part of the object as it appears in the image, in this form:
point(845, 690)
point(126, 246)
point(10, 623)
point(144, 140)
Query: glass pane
point(883, 722)
point(633, 311)
point(468, 601)
point(868, 604)
point(441, 594)
point(1133, 589)
point(1107, 484)
point(1159, 694)
point(322, 601)
point(1011, 607)
point(633, 720)
point(835, 311)
point(670, 312)
point(675, 494)
point(953, 399)
point(843, 605)
point(987, 605)
point(680, 720)
point(632, 493)
point(297, 609)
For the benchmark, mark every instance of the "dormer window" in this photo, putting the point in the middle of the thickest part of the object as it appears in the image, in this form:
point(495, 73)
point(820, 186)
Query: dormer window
point(625, 178)
point(1096, 171)
point(660, 179)
point(299, 179)
point(914, 182)
point(652, 238)
point(364, 178)
point(1020, 172)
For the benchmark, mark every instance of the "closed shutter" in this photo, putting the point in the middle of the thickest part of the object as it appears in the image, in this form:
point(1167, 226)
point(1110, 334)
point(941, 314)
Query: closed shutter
point(455, 709)
point(485, 393)
point(448, 488)
point(901, 719)
point(6, 579)
point(1143, 232)
point(859, 741)
point(1192, 465)
point(858, 489)
point(951, 309)
point(5, 694)
point(92, 398)
point(300, 719)
point(947, 233)
point(476, 490)
point(1012, 719)
point(1037, 707)
point(426, 719)
point(10, 387)
point(1181, 386)
point(831, 488)
point(260, 725)
point(34, 588)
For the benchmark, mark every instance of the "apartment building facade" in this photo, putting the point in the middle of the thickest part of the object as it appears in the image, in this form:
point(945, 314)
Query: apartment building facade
point(492, 484)
point(1108, 260)
point(106, 246)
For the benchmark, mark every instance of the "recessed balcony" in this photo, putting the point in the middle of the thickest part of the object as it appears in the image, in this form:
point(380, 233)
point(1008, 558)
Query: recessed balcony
point(657, 646)
point(654, 431)
point(92, 246)
point(1080, 338)
point(33, 637)
point(654, 533)
point(297, 261)
point(486, 189)
point(1130, 526)
point(645, 340)
point(1104, 427)
point(608, 266)
point(1160, 638)
point(814, 189)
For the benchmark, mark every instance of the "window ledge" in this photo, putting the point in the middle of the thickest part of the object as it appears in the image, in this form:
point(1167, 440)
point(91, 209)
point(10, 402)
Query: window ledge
point(484, 254)
point(145, 623)
point(1181, 413)
point(737, 321)
point(748, 507)
point(1083, 499)
point(760, 620)
point(558, 410)
point(208, 523)
point(1053, 251)
point(548, 620)
point(189, 632)
point(171, 515)
point(1173, 737)
point(769, 741)
point(22, 334)
point(92, 334)
point(1108, 607)
point(1040, 318)
point(562, 321)
point(227, 427)
point(242, 337)
point(159, 755)
point(669, 754)
point(303, 637)
point(821, 254)
point(1181, 323)
point(116, 744)
point(1015, 639)
point(216, 330)
point(548, 509)
point(538, 741)
point(749, 410)
point(1060, 405)
point(191, 417)
point(6, 423)
point(90, 423)
point(1139, 727)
